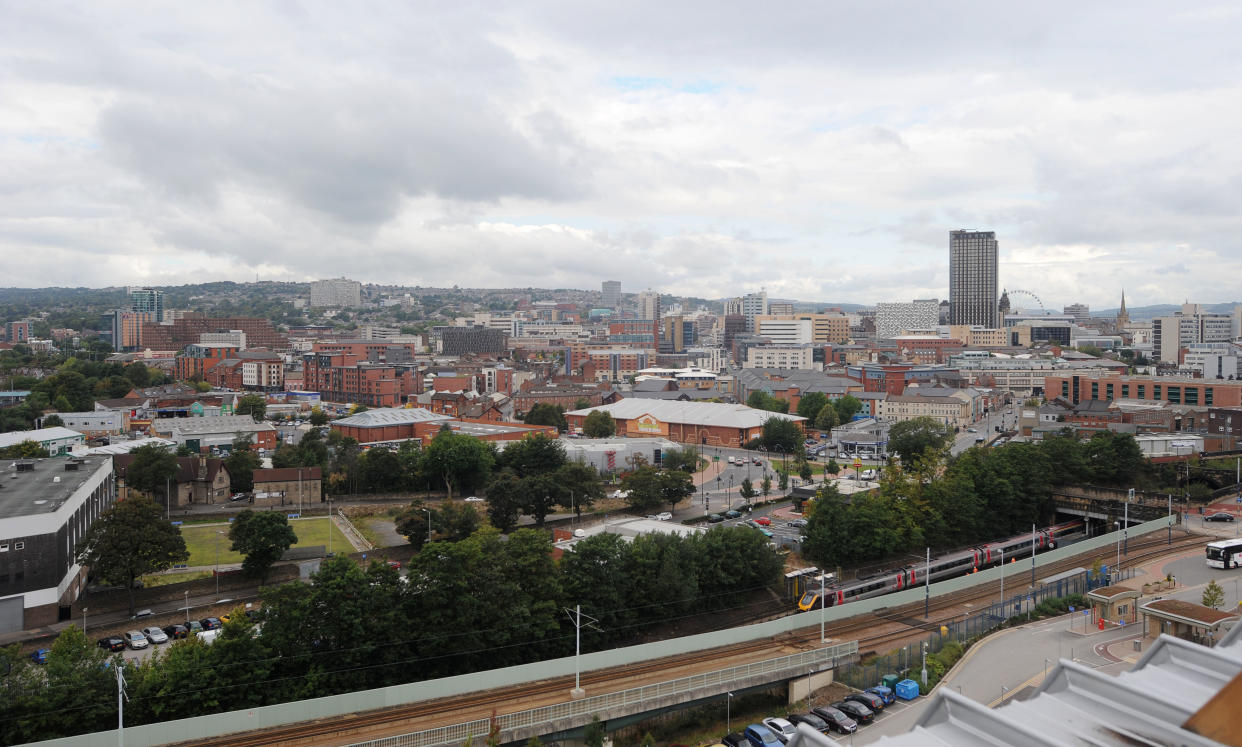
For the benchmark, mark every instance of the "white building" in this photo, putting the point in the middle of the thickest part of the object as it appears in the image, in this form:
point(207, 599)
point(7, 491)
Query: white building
point(892, 318)
point(712, 359)
point(753, 305)
point(648, 304)
point(55, 440)
point(336, 292)
point(96, 423)
point(787, 331)
point(234, 338)
point(781, 356)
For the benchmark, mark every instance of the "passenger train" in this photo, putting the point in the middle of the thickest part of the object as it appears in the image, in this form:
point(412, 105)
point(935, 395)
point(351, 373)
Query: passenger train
point(947, 566)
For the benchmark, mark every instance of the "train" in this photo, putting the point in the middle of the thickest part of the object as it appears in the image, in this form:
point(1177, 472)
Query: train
point(947, 566)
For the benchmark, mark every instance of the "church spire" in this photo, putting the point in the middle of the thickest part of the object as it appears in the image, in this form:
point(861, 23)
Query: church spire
point(1123, 317)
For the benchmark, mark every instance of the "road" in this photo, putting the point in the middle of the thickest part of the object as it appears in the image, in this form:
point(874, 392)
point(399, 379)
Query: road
point(1005, 418)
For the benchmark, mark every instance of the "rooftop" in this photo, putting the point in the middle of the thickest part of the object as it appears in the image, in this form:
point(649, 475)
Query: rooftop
point(1189, 611)
point(703, 413)
point(1109, 592)
point(45, 486)
point(42, 435)
point(390, 416)
point(213, 424)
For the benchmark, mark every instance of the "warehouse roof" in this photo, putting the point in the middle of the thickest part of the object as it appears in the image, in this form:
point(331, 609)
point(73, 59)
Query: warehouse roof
point(700, 413)
point(391, 416)
point(40, 436)
point(212, 424)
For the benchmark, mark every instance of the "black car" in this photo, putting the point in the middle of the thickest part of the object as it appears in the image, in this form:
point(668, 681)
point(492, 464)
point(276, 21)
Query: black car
point(733, 514)
point(871, 700)
point(211, 623)
point(112, 643)
point(715, 519)
point(855, 710)
point(1218, 517)
point(810, 719)
point(176, 632)
point(736, 739)
point(836, 719)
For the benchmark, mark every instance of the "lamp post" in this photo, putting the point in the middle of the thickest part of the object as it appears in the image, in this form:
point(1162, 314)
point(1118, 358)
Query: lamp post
point(187, 605)
point(329, 527)
point(428, 512)
point(1126, 529)
point(84, 609)
point(1117, 525)
point(729, 713)
point(218, 533)
point(1001, 550)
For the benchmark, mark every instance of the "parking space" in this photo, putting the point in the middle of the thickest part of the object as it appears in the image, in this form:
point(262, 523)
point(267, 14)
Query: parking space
point(895, 719)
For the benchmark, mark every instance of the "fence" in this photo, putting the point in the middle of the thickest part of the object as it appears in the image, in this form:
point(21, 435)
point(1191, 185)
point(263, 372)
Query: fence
point(634, 700)
point(351, 532)
point(909, 657)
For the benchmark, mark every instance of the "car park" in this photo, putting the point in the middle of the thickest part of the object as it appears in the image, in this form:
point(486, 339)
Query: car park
point(781, 728)
point(155, 635)
point(836, 719)
point(885, 693)
point(1220, 516)
point(210, 623)
point(176, 632)
point(811, 720)
point(763, 521)
point(135, 640)
point(857, 711)
point(112, 643)
point(759, 735)
point(871, 700)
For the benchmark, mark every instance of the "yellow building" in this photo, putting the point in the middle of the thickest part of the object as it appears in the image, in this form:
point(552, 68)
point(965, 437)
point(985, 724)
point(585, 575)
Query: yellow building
point(834, 328)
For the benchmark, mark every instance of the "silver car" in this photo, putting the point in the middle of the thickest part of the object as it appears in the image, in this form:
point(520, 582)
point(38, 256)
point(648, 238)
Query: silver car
point(155, 635)
point(135, 639)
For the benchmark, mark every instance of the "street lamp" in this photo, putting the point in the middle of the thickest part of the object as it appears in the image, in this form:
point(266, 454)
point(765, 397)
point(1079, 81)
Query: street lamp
point(428, 512)
point(1001, 550)
point(187, 605)
point(218, 533)
point(1117, 526)
point(84, 609)
point(729, 713)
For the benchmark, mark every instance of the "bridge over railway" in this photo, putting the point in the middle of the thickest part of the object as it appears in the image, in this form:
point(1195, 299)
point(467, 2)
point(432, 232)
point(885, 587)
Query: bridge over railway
point(1104, 506)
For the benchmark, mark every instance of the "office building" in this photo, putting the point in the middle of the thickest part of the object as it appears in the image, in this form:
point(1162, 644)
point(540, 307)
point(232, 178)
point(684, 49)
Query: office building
point(336, 292)
point(1191, 325)
point(612, 294)
point(972, 278)
point(786, 331)
point(1080, 311)
point(47, 506)
point(754, 305)
point(17, 332)
point(893, 318)
point(649, 305)
point(148, 300)
point(124, 329)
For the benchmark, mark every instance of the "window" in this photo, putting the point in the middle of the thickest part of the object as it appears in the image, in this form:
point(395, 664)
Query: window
point(1065, 389)
point(1207, 396)
point(1175, 395)
point(1095, 390)
point(1108, 391)
point(19, 545)
point(4, 547)
point(1142, 391)
point(1125, 391)
point(1155, 391)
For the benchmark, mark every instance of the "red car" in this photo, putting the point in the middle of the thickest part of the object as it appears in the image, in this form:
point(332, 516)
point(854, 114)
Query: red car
point(763, 521)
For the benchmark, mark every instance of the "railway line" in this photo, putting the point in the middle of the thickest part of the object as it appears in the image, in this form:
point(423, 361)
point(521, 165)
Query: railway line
point(874, 631)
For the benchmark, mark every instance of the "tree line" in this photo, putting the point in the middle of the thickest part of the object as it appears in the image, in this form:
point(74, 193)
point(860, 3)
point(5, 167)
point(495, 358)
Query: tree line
point(929, 500)
point(480, 603)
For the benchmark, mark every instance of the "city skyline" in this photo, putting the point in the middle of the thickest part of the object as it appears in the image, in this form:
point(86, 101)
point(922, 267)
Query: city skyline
point(710, 154)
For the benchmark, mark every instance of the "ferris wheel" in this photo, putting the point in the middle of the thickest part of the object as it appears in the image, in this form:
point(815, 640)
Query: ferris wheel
point(1028, 294)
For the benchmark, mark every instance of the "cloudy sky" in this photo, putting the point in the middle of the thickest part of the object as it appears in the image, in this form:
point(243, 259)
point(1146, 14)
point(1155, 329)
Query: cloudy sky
point(822, 150)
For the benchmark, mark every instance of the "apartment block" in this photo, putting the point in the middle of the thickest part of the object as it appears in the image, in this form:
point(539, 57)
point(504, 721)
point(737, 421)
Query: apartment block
point(894, 318)
point(336, 293)
point(344, 378)
point(1095, 385)
point(781, 356)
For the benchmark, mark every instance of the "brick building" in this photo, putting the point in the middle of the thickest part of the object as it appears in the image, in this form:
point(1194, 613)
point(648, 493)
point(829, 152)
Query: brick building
point(196, 360)
point(709, 423)
point(396, 425)
point(1079, 386)
point(186, 331)
point(199, 480)
point(288, 486)
point(342, 377)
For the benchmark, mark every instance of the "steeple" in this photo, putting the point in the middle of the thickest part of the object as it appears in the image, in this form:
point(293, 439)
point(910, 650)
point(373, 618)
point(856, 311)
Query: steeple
point(1123, 317)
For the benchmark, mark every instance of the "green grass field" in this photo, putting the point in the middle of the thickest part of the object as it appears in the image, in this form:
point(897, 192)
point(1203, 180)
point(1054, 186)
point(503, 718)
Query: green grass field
point(200, 540)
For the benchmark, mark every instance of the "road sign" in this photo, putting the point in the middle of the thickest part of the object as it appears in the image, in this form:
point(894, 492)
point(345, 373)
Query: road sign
point(857, 463)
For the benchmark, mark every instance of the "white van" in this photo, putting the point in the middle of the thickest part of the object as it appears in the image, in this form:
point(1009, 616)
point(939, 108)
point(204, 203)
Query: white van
point(868, 474)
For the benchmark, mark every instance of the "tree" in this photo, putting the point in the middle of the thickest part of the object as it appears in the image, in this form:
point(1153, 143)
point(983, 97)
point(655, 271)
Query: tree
point(25, 450)
point(599, 424)
point(810, 404)
point(783, 482)
point(504, 504)
point(262, 537)
point(457, 459)
point(547, 414)
point(535, 454)
point(582, 485)
point(241, 464)
point(51, 421)
point(765, 486)
point(253, 405)
point(827, 418)
point(62, 404)
point(804, 470)
point(748, 489)
point(129, 540)
point(1213, 595)
point(684, 459)
point(595, 733)
point(456, 521)
point(152, 469)
point(847, 407)
point(782, 434)
point(761, 400)
point(318, 417)
point(910, 438)
point(582, 403)
point(412, 523)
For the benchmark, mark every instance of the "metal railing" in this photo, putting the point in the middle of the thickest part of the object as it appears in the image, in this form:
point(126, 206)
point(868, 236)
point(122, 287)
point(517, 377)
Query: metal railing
point(351, 532)
point(634, 697)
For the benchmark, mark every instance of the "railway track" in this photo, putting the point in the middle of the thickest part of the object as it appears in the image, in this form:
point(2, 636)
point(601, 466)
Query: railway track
point(888, 625)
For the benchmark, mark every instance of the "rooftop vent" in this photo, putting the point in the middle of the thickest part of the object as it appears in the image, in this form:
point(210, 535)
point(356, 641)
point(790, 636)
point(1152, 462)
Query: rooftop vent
point(25, 466)
point(56, 478)
point(71, 466)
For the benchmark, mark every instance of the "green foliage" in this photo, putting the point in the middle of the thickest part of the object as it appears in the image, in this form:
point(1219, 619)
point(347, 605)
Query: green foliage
point(685, 459)
point(24, 450)
point(253, 405)
point(595, 733)
point(804, 470)
point(599, 424)
point(457, 460)
point(261, 537)
point(810, 404)
point(412, 523)
point(847, 407)
point(152, 468)
point(241, 464)
point(1213, 595)
point(651, 488)
point(748, 489)
point(504, 501)
point(765, 486)
point(51, 421)
point(761, 400)
point(783, 481)
point(130, 540)
point(910, 438)
point(318, 417)
point(535, 454)
point(780, 434)
point(827, 418)
point(547, 414)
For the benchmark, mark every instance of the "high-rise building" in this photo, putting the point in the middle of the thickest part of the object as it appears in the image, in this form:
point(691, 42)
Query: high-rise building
point(972, 278)
point(732, 307)
point(781, 308)
point(148, 300)
point(336, 292)
point(649, 305)
point(612, 294)
point(753, 305)
point(1080, 311)
point(1191, 325)
point(892, 318)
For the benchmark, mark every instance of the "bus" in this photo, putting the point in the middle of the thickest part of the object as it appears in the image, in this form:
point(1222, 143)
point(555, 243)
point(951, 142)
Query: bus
point(1224, 554)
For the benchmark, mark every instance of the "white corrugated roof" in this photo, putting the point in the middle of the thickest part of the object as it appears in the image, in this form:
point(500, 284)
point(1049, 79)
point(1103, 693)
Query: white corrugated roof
point(391, 416)
point(42, 435)
point(700, 413)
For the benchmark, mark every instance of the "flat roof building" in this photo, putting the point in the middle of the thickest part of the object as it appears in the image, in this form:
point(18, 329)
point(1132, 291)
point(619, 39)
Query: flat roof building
point(709, 423)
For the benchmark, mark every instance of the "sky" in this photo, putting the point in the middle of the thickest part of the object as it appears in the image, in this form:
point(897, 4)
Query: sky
point(821, 151)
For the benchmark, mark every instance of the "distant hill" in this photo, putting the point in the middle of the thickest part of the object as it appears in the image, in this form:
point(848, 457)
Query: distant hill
point(1164, 309)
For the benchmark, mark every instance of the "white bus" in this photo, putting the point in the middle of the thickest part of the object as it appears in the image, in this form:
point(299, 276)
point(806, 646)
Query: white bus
point(1224, 554)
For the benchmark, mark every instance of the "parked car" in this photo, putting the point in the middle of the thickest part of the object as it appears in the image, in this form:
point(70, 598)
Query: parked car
point(868, 474)
point(799, 523)
point(1218, 517)
point(176, 632)
point(112, 643)
point(757, 461)
point(765, 531)
point(194, 626)
point(781, 728)
point(209, 636)
point(39, 655)
point(394, 564)
point(857, 711)
point(871, 700)
point(210, 623)
point(886, 693)
point(715, 519)
point(811, 720)
point(763, 521)
point(135, 640)
point(733, 514)
point(238, 497)
point(761, 736)
point(664, 516)
point(836, 719)
point(155, 635)
point(474, 499)
point(736, 739)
